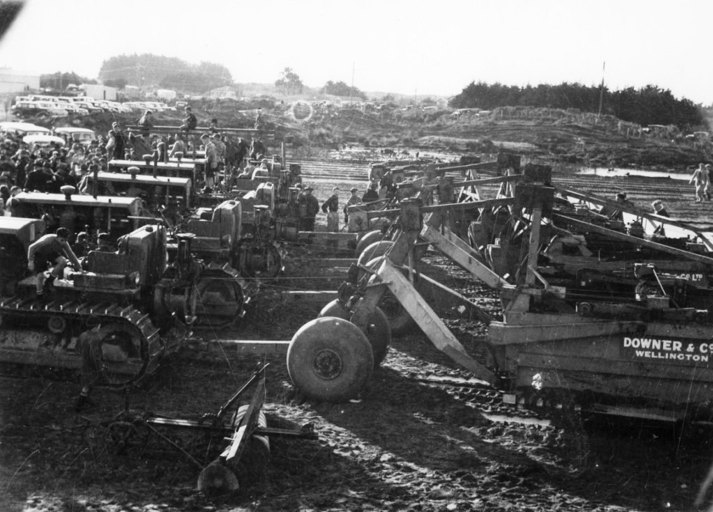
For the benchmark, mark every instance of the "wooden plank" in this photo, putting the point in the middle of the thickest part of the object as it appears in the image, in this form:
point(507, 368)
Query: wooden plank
point(468, 260)
point(534, 245)
point(429, 322)
point(634, 211)
point(640, 241)
point(486, 203)
point(676, 391)
point(247, 424)
point(568, 327)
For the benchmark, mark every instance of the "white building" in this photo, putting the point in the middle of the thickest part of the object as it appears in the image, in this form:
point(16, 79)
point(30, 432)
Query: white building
point(15, 81)
point(100, 92)
point(166, 94)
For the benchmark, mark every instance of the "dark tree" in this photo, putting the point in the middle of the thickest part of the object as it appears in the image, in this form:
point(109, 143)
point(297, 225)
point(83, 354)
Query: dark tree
point(647, 105)
point(289, 82)
point(342, 89)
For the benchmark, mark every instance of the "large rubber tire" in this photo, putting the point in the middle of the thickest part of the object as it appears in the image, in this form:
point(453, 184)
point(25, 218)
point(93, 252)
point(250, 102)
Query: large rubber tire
point(399, 319)
point(379, 335)
point(374, 251)
point(334, 308)
point(378, 331)
point(367, 239)
point(330, 359)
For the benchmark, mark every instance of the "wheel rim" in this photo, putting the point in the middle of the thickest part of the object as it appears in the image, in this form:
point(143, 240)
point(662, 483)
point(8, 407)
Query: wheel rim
point(328, 364)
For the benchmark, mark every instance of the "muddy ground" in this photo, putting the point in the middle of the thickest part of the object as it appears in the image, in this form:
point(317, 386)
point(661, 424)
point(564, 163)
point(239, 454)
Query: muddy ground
point(422, 437)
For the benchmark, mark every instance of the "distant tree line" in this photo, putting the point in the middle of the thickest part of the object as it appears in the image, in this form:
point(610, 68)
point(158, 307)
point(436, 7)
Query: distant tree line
point(166, 72)
point(342, 89)
point(646, 105)
point(59, 80)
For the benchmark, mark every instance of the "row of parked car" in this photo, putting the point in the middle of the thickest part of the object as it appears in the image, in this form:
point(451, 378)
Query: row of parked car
point(62, 106)
point(39, 136)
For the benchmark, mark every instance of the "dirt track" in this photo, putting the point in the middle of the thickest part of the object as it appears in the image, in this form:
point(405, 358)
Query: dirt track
point(411, 442)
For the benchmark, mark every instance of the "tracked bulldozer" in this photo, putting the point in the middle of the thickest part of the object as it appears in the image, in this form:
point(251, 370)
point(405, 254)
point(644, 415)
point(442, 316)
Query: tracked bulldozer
point(142, 298)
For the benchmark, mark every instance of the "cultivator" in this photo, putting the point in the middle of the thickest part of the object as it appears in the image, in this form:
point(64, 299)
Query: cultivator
point(238, 428)
point(593, 306)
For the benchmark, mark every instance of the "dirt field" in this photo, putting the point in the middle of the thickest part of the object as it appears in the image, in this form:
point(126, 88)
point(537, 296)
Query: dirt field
point(422, 437)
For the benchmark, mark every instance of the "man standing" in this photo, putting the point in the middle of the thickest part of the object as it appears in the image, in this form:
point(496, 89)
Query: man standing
point(51, 250)
point(115, 144)
point(189, 121)
point(146, 123)
point(211, 162)
point(371, 194)
point(700, 179)
point(331, 208)
point(308, 207)
point(257, 149)
point(353, 199)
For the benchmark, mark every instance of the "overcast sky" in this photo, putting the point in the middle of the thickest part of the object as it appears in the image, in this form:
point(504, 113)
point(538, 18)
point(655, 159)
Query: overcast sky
point(406, 46)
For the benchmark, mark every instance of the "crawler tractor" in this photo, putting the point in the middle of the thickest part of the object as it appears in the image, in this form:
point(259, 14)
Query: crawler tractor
point(138, 298)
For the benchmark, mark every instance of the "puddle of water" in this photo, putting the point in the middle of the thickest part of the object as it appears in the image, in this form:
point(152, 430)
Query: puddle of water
point(639, 173)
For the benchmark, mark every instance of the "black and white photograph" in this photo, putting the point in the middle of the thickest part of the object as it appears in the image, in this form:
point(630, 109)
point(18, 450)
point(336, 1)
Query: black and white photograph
point(356, 255)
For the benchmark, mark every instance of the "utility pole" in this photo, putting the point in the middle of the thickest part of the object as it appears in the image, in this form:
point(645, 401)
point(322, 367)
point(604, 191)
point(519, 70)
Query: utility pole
point(601, 91)
point(351, 91)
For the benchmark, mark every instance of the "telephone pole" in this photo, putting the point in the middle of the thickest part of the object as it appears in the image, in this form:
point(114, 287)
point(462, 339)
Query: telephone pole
point(601, 90)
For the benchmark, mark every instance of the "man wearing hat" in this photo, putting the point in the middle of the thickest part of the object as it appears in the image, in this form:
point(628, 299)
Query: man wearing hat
point(371, 194)
point(146, 123)
point(307, 208)
point(115, 145)
point(40, 178)
point(353, 199)
point(189, 121)
point(331, 208)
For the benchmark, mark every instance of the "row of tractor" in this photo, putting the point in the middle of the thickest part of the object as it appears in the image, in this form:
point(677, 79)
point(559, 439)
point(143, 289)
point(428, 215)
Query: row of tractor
point(175, 259)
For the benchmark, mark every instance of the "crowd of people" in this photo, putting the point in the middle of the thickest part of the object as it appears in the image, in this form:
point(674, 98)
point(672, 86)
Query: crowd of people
point(48, 168)
point(308, 206)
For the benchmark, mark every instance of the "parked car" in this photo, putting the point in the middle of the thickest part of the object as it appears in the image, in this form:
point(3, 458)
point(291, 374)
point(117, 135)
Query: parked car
point(71, 106)
point(33, 108)
point(89, 105)
point(108, 106)
point(42, 141)
point(74, 134)
point(22, 128)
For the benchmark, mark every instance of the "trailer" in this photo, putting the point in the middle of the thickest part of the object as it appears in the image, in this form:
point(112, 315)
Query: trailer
point(627, 336)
